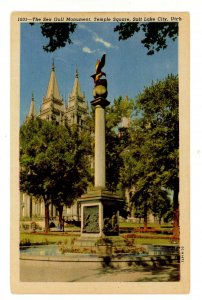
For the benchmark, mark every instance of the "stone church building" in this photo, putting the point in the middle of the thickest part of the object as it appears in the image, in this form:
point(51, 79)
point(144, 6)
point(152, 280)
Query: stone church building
point(53, 108)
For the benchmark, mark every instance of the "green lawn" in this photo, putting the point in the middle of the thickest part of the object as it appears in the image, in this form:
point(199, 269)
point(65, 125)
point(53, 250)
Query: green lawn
point(56, 237)
point(35, 238)
point(143, 241)
point(140, 225)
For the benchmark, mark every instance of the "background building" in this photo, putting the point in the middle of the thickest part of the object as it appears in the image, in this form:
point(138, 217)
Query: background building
point(53, 109)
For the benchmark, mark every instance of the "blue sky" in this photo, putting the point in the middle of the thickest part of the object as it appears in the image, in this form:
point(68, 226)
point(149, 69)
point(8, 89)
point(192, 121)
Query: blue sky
point(129, 69)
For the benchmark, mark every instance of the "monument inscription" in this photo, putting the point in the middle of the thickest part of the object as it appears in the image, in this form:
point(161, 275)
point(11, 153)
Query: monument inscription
point(91, 219)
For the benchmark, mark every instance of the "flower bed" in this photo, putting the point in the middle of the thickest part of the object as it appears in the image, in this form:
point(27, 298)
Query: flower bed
point(134, 235)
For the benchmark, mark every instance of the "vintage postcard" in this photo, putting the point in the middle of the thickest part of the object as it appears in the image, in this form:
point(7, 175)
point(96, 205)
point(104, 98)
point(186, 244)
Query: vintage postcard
point(100, 153)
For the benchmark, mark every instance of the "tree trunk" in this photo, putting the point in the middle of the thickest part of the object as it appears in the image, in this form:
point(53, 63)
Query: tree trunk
point(145, 216)
point(61, 223)
point(78, 214)
point(31, 204)
point(46, 217)
point(176, 229)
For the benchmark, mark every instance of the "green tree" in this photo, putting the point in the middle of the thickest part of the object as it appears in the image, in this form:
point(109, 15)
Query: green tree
point(155, 34)
point(116, 139)
point(58, 34)
point(161, 204)
point(52, 164)
point(151, 159)
point(154, 200)
point(71, 166)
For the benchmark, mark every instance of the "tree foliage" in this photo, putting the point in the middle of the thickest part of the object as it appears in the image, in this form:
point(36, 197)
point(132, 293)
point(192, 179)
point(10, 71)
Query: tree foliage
point(58, 34)
point(151, 158)
point(155, 33)
point(157, 109)
point(116, 139)
point(161, 205)
point(53, 162)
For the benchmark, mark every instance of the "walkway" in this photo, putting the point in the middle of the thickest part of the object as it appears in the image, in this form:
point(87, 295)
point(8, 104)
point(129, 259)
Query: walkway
point(51, 271)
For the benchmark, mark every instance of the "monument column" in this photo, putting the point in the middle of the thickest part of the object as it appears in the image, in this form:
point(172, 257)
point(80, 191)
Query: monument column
point(99, 146)
point(99, 207)
point(100, 169)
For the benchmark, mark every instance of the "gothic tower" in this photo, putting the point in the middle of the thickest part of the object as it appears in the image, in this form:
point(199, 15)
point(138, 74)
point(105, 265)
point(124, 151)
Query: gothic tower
point(76, 109)
point(52, 108)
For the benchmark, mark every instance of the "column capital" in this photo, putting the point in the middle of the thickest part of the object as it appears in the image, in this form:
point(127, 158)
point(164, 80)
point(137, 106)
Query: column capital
point(103, 102)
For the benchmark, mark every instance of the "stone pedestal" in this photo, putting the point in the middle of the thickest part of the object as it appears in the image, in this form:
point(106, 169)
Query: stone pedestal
point(99, 213)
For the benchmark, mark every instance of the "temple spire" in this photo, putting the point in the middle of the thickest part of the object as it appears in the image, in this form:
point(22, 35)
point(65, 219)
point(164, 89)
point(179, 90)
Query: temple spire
point(76, 88)
point(53, 90)
point(32, 110)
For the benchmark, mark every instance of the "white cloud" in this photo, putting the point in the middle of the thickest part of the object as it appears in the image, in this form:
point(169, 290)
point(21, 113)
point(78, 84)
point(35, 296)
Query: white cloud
point(105, 43)
point(87, 50)
point(96, 38)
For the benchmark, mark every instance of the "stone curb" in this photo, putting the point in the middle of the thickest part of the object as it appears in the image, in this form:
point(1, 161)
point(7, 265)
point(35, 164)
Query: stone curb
point(95, 258)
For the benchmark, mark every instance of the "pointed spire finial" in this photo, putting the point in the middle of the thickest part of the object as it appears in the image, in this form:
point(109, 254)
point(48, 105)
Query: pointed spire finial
point(76, 88)
point(32, 111)
point(53, 66)
point(77, 73)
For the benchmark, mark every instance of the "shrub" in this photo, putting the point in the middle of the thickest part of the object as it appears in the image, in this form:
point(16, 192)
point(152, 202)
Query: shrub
point(25, 242)
point(103, 241)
